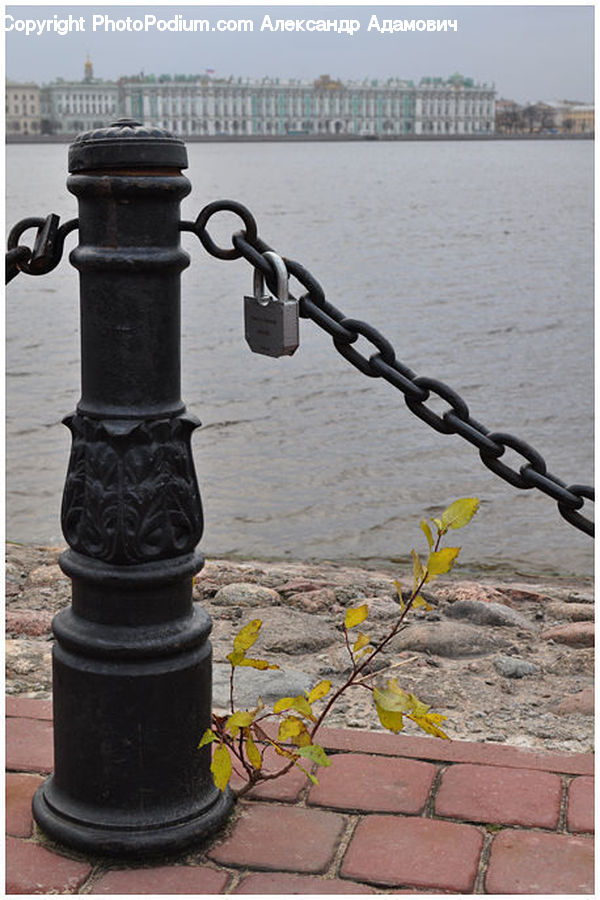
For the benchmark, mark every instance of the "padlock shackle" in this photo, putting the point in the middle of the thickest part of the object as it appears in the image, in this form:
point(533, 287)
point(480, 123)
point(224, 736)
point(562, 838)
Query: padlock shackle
point(282, 278)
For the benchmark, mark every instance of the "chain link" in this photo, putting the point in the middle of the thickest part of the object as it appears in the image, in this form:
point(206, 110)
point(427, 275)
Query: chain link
point(47, 249)
point(383, 364)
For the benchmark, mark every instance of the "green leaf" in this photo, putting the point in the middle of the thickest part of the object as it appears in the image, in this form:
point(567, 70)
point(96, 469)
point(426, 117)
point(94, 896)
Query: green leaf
point(221, 767)
point(316, 754)
point(438, 524)
point(441, 561)
point(207, 738)
point(427, 531)
point(460, 512)
point(308, 774)
point(357, 615)
point(247, 636)
point(319, 691)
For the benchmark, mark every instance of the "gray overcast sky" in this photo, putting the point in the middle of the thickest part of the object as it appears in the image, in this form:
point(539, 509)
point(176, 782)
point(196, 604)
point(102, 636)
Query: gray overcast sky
point(528, 52)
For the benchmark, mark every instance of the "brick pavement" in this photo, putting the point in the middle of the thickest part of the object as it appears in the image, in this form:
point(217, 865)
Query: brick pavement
point(393, 814)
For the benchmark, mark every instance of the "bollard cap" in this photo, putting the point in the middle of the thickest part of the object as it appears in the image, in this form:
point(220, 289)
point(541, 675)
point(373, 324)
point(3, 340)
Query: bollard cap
point(126, 144)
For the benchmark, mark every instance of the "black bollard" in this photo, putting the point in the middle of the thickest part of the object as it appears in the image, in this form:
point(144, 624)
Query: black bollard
point(132, 658)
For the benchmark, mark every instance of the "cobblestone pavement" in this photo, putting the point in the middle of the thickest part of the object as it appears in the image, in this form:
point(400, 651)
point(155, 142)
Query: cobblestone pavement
point(392, 814)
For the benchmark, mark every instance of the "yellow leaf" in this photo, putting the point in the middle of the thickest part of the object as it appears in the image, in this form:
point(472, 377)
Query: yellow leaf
point(357, 615)
point(239, 720)
point(427, 531)
point(441, 561)
point(290, 727)
point(398, 587)
point(252, 752)
point(221, 767)
point(393, 699)
point(460, 512)
point(390, 719)
point(235, 657)
point(419, 602)
point(207, 738)
point(319, 690)
point(438, 524)
point(419, 574)
point(257, 663)
point(361, 641)
point(247, 636)
point(429, 723)
point(316, 754)
point(298, 703)
point(414, 705)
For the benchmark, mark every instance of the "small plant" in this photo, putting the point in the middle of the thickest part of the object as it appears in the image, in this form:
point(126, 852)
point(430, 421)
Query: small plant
point(243, 736)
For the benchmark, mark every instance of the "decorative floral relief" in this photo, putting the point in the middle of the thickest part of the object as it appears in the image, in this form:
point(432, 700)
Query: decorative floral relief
point(131, 494)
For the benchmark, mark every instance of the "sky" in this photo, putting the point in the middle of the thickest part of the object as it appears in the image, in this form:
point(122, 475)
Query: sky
point(528, 53)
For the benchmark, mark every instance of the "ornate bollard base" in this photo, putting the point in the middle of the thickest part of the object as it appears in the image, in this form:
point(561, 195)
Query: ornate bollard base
point(131, 702)
point(82, 830)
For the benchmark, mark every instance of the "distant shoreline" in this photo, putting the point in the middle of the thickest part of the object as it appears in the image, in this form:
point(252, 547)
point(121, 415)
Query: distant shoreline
point(302, 138)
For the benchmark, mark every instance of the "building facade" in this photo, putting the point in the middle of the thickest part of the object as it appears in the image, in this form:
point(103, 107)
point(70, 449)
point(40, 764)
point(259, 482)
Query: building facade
point(202, 105)
point(580, 119)
point(22, 108)
point(68, 107)
point(207, 106)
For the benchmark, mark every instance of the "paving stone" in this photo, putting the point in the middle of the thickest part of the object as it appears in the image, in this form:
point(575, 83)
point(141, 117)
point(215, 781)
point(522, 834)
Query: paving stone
point(25, 708)
point(280, 883)
point(163, 880)
point(575, 634)
point(531, 862)
point(31, 869)
point(355, 781)
point(421, 853)
point(19, 792)
point(497, 795)
point(29, 745)
point(580, 808)
point(286, 788)
point(455, 751)
point(286, 839)
point(28, 622)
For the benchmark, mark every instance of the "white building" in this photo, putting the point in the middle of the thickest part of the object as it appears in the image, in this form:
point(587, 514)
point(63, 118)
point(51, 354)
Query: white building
point(72, 106)
point(22, 106)
point(199, 105)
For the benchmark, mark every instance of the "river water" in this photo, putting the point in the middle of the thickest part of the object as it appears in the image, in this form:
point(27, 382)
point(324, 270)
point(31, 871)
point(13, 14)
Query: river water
point(476, 262)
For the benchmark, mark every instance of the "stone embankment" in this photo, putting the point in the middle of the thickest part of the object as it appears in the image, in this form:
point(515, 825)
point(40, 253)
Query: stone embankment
point(505, 662)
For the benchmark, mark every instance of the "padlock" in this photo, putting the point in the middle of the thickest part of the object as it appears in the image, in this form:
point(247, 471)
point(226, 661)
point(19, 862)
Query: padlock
point(272, 323)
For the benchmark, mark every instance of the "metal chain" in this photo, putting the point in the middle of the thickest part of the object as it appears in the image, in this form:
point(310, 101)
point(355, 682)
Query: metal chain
point(47, 249)
point(383, 364)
